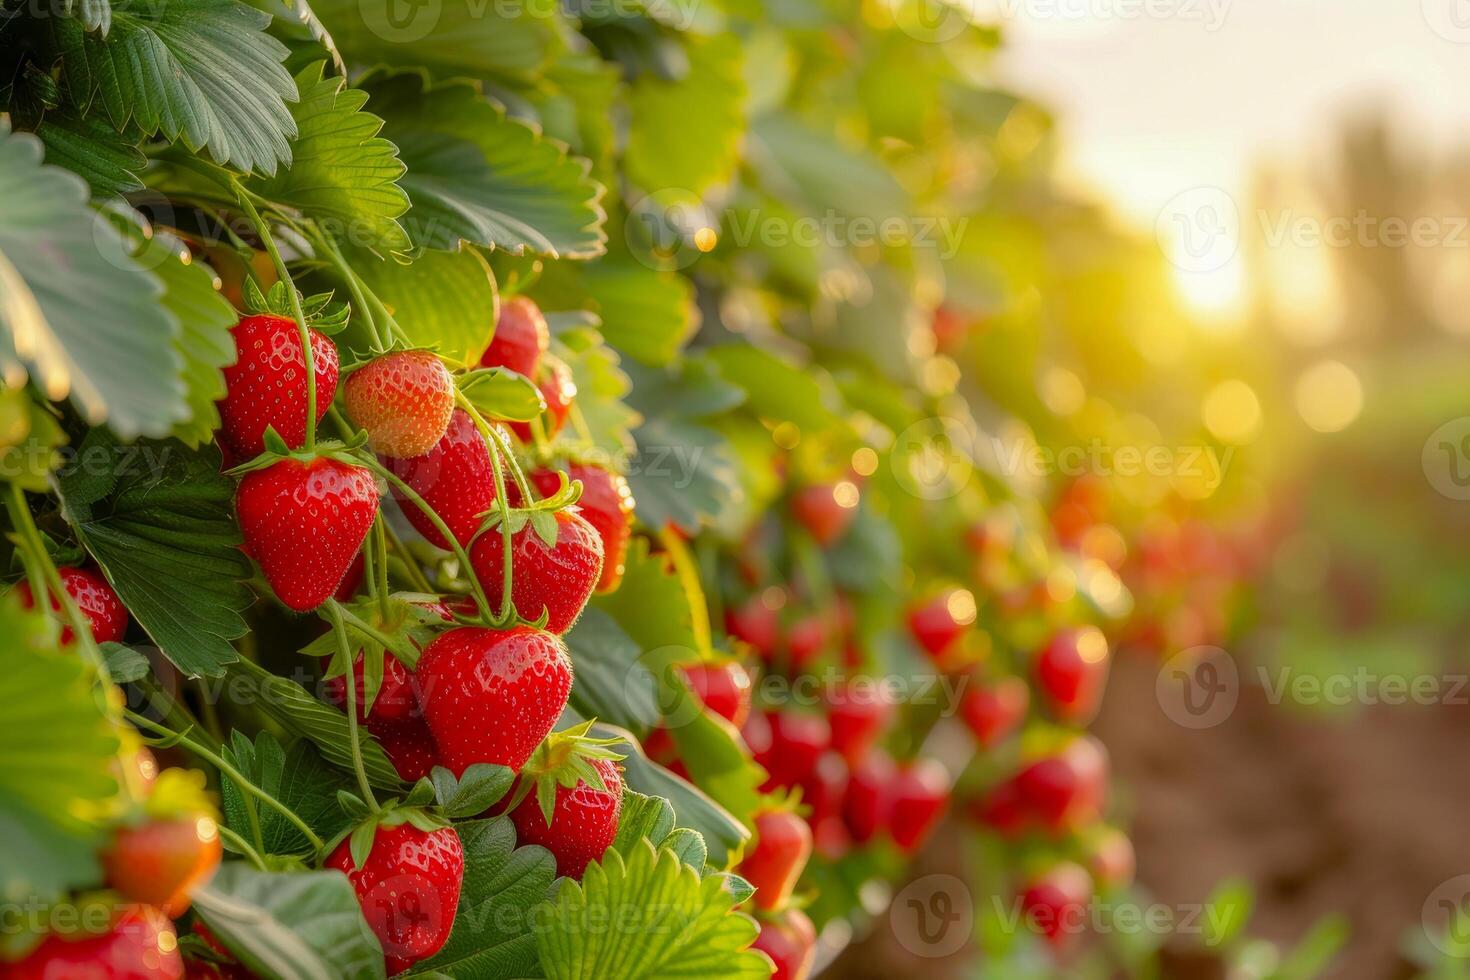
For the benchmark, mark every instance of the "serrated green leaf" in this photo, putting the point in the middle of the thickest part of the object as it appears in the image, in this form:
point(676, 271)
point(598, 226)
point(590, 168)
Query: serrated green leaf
point(685, 926)
point(646, 314)
point(493, 936)
point(649, 818)
point(290, 926)
point(343, 175)
point(500, 393)
point(442, 300)
point(201, 71)
point(480, 787)
point(298, 777)
point(688, 845)
point(89, 147)
point(685, 132)
point(78, 315)
point(612, 684)
point(477, 176)
point(167, 539)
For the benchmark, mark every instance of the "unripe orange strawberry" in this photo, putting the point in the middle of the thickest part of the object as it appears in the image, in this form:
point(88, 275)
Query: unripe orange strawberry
point(403, 400)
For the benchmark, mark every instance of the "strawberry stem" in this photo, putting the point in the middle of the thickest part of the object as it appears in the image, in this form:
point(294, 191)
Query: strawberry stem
point(497, 449)
point(354, 284)
point(262, 229)
point(379, 553)
point(243, 846)
point(344, 648)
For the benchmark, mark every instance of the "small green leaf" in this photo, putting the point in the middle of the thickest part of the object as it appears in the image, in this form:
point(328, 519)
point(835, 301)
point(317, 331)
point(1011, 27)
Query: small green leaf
point(298, 776)
point(500, 393)
point(88, 146)
point(481, 787)
point(649, 818)
point(546, 528)
point(361, 842)
point(612, 683)
point(124, 664)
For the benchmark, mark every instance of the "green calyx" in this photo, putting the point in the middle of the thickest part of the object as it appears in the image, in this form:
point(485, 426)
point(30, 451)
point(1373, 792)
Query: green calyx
point(320, 313)
point(563, 759)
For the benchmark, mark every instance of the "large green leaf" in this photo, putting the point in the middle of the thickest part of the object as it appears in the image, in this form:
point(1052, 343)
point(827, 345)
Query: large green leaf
point(683, 473)
point(343, 174)
point(298, 777)
point(683, 925)
point(165, 534)
point(654, 608)
point(611, 682)
point(646, 314)
point(685, 132)
point(493, 928)
point(90, 147)
point(201, 71)
point(476, 176)
point(78, 315)
point(723, 834)
point(58, 753)
point(443, 300)
point(301, 926)
point(779, 390)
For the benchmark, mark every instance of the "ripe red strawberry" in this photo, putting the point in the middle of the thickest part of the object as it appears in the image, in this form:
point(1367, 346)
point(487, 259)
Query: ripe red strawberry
point(559, 390)
point(520, 337)
point(993, 712)
point(868, 803)
point(824, 787)
point(938, 624)
point(304, 523)
point(94, 598)
point(557, 579)
point(755, 623)
point(352, 581)
point(492, 695)
point(160, 862)
point(584, 820)
point(139, 945)
point(788, 744)
point(409, 746)
point(790, 940)
point(1071, 672)
point(1055, 903)
point(1110, 859)
point(1066, 791)
point(403, 401)
point(408, 888)
point(455, 478)
point(395, 700)
point(723, 687)
point(920, 793)
point(266, 386)
point(826, 510)
point(607, 504)
point(805, 640)
point(1002, 809)
point(858, 715)
point(830, 838)
point(783, 844)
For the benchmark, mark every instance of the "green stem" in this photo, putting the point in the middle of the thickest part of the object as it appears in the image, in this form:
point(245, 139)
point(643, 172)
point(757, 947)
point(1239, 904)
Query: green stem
point(263, 230)
point(507, 603)
point(354, 284)
point(20, 516)
point(243, 846)
point(334, 610)
point(379, 551)
point(219, 763)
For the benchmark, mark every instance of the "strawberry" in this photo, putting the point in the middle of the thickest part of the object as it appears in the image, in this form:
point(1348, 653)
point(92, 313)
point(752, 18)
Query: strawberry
point(867, 804)
point(788, 744)
point(950, 329)
point(304, 522)
point(857, 714)
point(455, 478)
point(583, 819)
point(1002, 809)
point(395, 700)
point(823, 788)
point(403, 401)
point(95, 599)
point(1110, 859)
point(1066, 791)
point(266, 386)
point(805, 640)
point(161, 861)
point(1071, 672)
point(830, 838)
point(492, 695)
point(556, 579)
point(754, 623)
point(825, 510)
point(939, 624)
point(607, 504)
point(409, 746)
point(919, 795)
point(783, 844)
point(520, 337)
point(1055, 903)
point(559, 390)
point(993, 712)
point(723, 687)
point(352, 581)
point(408, 888)
point(790, 940)
point(140, 944)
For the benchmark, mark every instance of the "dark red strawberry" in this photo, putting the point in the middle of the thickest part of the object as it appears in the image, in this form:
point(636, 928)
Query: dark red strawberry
point(455, 478)
point(352, 581)
point(1071, 672)
point(1066, 791)
point(938, 624)
point(492, 695)
point(919, 795)
point(161, 861)
point(858, 714)
point(783, 844)
point(790, 940)
point(584, 820)
point(266, 386)
point(409, 746)
point(557, 579)
point(1110, 858)
point(787, 744)
point(607, 504)
point(868, 803)
point(403, 401)
point(520, 337)
point(755, 623)
point(395, 700)
point(95, 599)
point(723, 687)
point(140, 944)
point(994, 711)
point(826, 510)
point(408, 888)
point(559, 390)
point(304, 523)
point(1055, 903)
point(1002, 809)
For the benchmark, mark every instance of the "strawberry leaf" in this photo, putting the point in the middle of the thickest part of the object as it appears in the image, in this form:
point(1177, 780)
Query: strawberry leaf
point(481, 787)
point(545, 524)
point(685, 132)
point(107, 160)
point(361, 842)
point(297, 776)
point(612, 684)
point(649, 818)
point(443, 300)
point(500, 393)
